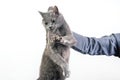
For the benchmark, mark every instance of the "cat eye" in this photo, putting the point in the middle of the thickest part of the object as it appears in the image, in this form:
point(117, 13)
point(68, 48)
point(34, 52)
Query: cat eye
point(53, 21)
point(46, 23)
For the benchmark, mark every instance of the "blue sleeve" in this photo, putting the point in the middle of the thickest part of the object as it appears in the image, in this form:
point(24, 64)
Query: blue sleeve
point(107, 45)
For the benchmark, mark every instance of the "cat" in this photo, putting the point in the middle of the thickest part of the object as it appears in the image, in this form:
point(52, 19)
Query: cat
point(59, 39)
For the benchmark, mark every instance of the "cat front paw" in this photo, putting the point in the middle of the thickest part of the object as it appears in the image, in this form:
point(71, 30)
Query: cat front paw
point(58, 38)
point(64, 41)
point(55, 38)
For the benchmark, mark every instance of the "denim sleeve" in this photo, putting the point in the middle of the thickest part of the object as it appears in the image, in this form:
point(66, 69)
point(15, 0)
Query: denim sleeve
point(107, 45)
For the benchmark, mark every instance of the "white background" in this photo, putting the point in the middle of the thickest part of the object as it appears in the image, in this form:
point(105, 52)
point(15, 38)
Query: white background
point(22, 37)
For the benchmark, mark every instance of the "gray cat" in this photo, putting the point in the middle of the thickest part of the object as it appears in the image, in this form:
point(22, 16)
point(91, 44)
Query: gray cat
point(59, 39)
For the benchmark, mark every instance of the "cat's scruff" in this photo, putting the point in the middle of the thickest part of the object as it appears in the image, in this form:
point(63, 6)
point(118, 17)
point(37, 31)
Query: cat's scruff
point(59, 39)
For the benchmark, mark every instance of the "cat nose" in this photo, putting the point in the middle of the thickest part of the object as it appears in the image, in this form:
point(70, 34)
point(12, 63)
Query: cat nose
point(50, 27)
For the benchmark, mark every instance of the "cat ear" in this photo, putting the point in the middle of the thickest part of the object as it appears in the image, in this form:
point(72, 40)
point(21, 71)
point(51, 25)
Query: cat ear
point(56, 10)
point(50, 8)
point(41, 13)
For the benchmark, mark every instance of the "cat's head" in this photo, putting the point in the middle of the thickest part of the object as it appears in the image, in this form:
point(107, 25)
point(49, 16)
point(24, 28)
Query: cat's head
point(50, 18)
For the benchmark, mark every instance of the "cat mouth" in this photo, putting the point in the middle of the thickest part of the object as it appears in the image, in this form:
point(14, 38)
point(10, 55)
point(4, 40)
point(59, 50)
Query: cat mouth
point(50, 28)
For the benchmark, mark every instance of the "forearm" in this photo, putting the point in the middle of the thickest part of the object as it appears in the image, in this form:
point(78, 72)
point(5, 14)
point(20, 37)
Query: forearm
point(95, 46)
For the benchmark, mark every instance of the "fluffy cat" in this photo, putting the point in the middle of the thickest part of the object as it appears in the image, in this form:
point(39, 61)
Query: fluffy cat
point(59, 39)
